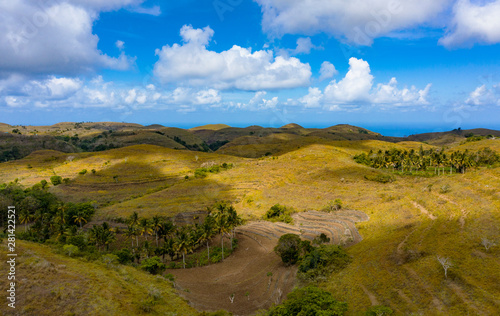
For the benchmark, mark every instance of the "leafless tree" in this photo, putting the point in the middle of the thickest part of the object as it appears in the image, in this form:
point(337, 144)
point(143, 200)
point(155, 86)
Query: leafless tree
point(278, 297)
point(488, 243)
point(446, 263)
point(231, 298)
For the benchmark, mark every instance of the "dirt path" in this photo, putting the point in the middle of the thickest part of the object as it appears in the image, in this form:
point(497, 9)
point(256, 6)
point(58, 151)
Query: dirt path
point(423, 210)
point(435, 301)
point(465, 298)
point(462, 218)
point(371, 296)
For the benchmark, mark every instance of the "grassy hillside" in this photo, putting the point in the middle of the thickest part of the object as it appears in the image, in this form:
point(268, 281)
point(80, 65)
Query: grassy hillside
point(52, 284)
point(213, 127)
point(413, 220)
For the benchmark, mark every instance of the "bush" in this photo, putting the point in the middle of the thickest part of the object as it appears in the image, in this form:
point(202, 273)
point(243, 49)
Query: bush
point(70, 249)
point(109, 259)
point(200, 173)
point(56, 180)
point(124, 256)
point(279, 213)
point(78, 240)
point(82, 172)
point(322, 261)
point(153, 265)
point(288, 248)
point(382, 178)
point(309, 301)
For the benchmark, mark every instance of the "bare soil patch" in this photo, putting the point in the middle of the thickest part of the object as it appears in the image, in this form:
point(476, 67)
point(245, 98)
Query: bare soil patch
point(245, 277)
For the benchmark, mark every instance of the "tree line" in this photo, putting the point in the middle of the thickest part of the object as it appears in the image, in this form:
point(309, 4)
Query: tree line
point(438, 161)
point(46, 218)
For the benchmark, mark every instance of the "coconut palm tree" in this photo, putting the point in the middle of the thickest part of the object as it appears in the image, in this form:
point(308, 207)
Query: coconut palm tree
point(131, 232)
point(183, 244)
point(169, 248)
point(156, 223)
point(79, 218)
point(25, 218)
point(134, 219)
point(207, 231)
point(145, 227)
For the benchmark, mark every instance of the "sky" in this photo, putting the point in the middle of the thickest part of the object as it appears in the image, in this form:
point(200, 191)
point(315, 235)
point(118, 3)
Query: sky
point(397, 67)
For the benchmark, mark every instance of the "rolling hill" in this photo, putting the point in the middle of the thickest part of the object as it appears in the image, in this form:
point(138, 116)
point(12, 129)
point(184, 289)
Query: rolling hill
point(413, 220)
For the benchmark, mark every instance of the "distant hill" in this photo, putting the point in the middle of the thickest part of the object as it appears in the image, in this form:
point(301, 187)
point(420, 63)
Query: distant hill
point(452, 137)
point(252, 141)
point(213, 127)
point(291, 125)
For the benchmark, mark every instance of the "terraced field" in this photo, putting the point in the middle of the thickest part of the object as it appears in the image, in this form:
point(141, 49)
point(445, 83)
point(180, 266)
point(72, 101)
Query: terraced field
point(245, 277)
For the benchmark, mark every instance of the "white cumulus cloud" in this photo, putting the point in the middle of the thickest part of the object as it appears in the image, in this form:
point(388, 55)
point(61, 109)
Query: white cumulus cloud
point(358, 21)
point(357, 89)
point(355, 86)
point(327, 71)
point(54, 37)
point(473, 23)
point(483, 95)
point(193, 64)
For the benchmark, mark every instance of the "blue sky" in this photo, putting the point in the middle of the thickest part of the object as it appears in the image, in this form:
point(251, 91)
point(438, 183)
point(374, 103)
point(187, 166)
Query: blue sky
point(393, 66)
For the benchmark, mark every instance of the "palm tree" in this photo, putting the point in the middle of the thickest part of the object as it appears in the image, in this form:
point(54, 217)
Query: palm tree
point(25, 218)
point(61, 214)
point(169, 248)
point(131, 232)
point(206, 234)
point(233, 221)
point(102, 235)
point(183, 245)
point(167, 228)
point(134, 219)
point(145, 227)
point(156, 227)
point(222, 226)
point(79, 218)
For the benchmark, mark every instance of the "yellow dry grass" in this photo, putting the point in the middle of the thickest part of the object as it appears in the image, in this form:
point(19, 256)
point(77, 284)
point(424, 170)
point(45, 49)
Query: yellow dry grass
point(409, 225)
point(51, 284)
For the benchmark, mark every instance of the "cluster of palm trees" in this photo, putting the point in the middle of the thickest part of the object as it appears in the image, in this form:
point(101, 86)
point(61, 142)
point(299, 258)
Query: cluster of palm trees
point(102, 235)
point(176, 241)
point(404, 160)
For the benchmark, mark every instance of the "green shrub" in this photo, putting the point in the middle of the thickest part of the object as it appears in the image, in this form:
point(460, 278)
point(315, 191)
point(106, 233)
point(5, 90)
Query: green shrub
point(309, 301)
point(322, 261)
point(124, 256)
point(153, 265)
point(200, 173)
point(56, 180)
point(382, 178)
point(78, 240)
point(82, 172)
point(288, 248)
point(109, 259)
point(279, 213)
point(70, 249)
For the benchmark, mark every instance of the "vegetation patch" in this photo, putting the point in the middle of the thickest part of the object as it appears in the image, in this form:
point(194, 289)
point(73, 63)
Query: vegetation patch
point(280, 213)
point(428, 161)
point(309, 300)
point(211, 167)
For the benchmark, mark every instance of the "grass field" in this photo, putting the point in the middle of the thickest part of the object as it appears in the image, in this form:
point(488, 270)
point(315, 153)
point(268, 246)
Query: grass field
point(412, 220)
point(51, 284)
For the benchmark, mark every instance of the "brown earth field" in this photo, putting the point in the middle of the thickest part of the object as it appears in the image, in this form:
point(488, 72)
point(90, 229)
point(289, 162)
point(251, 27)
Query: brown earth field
point(254, 277)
